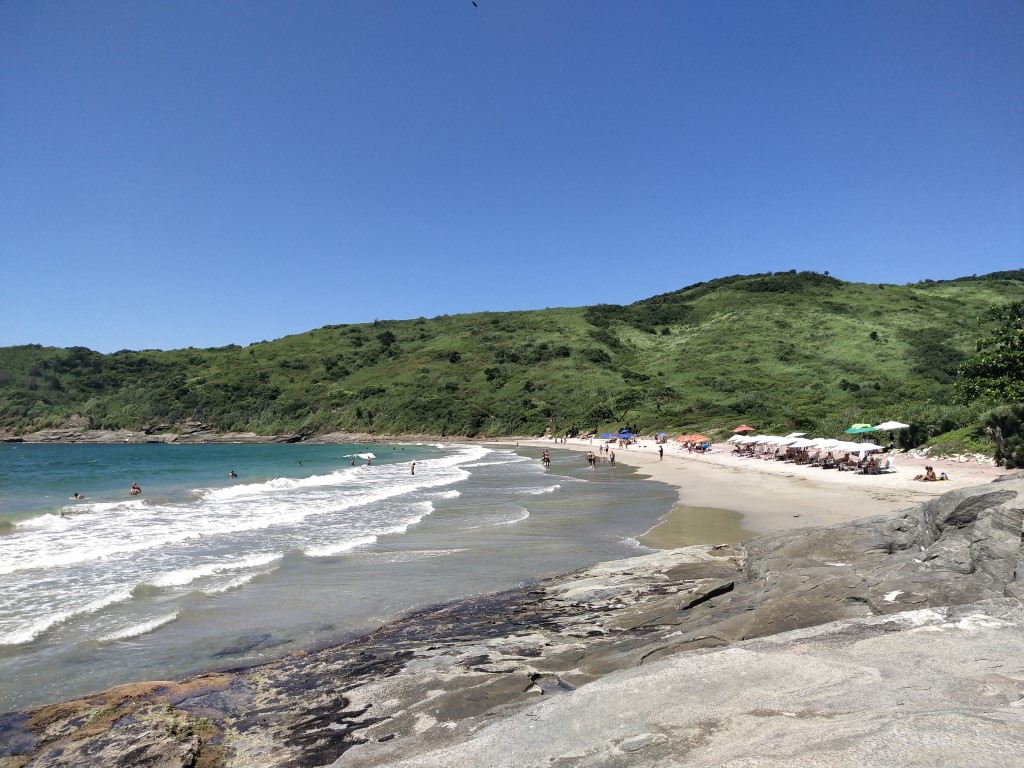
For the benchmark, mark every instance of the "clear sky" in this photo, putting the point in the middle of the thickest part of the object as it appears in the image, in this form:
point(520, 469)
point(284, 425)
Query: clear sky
point(180, 173)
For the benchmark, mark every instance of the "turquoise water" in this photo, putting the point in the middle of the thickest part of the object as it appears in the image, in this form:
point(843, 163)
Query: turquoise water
point(204, 571)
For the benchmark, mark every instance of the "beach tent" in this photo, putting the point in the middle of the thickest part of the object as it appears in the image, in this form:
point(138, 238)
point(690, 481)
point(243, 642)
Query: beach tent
point(889, 426)
point(857, 429)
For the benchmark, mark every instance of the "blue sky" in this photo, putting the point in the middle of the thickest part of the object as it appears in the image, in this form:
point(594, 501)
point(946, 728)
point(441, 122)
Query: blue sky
point(183, 173)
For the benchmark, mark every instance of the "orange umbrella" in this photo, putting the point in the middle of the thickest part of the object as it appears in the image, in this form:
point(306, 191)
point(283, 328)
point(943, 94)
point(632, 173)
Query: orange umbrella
point(743, 428)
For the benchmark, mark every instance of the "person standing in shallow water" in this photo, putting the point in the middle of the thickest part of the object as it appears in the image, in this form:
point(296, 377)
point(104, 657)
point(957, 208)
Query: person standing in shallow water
point(412, 469)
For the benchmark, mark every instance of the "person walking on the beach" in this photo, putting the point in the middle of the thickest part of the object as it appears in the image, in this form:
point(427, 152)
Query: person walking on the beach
point(661, 452)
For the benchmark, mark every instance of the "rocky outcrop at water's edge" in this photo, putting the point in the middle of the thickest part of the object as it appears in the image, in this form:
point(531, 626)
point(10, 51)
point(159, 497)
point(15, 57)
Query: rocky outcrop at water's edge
point(889, 641)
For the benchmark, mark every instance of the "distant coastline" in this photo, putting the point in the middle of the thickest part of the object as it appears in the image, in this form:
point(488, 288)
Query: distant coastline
point(198, 433)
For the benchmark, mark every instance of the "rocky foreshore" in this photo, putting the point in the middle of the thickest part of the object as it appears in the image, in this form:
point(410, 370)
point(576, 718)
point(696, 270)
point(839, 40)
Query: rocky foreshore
point(893, 640)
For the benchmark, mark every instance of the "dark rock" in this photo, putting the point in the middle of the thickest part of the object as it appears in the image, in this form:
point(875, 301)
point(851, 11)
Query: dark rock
point(243, 644)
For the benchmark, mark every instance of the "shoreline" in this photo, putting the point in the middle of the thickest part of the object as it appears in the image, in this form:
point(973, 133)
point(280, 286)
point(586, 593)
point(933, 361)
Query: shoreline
point(772, 496)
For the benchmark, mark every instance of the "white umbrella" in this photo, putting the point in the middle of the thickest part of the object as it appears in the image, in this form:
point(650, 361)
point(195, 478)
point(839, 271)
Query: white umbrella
point(797, 434)
point(888, 426)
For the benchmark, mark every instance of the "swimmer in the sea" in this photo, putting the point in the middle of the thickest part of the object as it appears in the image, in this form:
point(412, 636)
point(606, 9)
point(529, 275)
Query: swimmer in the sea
point(135, 490)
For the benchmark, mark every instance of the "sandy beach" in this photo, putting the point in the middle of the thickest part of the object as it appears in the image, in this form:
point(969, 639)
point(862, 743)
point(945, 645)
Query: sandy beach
point(724, 498)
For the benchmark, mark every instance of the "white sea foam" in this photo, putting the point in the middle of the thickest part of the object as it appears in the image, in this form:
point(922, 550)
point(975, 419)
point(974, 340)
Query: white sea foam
point(494, 520)
point(40, 625)
point(185, 576)
point(143, 628)
point(328, 550)
point(408, 556)
point(227, 586)
point(540, 491)
point(452, 494)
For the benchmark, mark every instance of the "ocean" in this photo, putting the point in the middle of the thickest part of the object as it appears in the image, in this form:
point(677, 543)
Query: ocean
point(306, 546)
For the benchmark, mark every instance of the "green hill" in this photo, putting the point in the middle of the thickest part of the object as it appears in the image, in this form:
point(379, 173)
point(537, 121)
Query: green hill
point(780, 351)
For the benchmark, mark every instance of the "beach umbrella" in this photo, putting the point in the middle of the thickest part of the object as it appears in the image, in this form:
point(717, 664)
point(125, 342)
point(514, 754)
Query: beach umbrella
point(857, 429)
point(889, 426)
point(743, 428)
point(736, 439)
point(797, 434)
point(625, 434)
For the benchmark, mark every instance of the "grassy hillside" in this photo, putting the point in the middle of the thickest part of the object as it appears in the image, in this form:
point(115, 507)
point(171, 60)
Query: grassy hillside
point(779, 351)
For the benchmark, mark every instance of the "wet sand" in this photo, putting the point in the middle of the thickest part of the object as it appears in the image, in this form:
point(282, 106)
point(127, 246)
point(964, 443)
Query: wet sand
point(727, 499)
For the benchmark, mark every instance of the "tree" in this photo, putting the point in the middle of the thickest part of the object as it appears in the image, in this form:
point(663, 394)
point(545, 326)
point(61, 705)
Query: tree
point(628, 399)
point(599, 414)
point(996, 373)
point(660, 393)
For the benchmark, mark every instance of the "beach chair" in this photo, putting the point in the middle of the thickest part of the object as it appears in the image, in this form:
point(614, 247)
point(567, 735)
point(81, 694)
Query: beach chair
point(887, 467)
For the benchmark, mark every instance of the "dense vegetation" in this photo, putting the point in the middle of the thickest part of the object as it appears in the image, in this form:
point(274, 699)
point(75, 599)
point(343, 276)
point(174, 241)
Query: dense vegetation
point(780, 351)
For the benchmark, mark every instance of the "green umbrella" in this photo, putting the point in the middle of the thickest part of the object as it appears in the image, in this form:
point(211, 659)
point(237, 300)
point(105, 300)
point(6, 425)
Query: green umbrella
point(857, 429)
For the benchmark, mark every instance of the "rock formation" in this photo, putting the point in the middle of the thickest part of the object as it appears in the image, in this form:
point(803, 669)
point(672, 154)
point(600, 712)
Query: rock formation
point(889, 641)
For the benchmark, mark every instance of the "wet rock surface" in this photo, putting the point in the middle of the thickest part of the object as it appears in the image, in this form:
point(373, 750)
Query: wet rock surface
point(891, 641)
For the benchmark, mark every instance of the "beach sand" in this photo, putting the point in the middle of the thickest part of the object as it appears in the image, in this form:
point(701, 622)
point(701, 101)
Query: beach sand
point(727, 499)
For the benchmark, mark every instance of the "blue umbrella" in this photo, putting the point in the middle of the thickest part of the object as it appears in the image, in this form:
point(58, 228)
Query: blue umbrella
point(625, 434)
point(609, 434)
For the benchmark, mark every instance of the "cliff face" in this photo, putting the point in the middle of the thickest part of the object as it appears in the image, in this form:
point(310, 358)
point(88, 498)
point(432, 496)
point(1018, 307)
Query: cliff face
point(894, 640)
